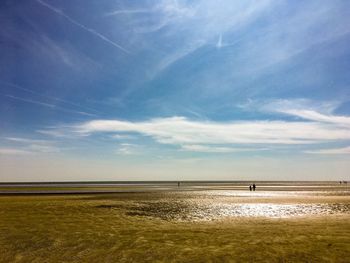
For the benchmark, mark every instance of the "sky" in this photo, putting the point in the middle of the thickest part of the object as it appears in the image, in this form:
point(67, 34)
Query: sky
point(174, 90)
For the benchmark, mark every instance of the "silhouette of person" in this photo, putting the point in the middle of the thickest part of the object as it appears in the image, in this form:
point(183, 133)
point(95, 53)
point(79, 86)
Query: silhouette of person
point(178, 184)
point(254, 186)
point(250, 188)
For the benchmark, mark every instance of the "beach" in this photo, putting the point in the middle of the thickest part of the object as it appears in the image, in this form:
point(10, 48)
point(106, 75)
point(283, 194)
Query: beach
point(196, 222)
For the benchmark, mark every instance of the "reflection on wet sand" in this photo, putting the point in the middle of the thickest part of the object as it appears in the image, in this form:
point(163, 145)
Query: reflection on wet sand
point(216, 205)
point(191, 212)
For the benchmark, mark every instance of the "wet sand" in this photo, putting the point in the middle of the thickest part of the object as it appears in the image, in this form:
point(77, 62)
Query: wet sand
point(281, 222)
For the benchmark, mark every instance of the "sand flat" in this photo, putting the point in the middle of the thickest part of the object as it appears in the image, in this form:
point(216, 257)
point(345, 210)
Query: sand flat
point(191, 224)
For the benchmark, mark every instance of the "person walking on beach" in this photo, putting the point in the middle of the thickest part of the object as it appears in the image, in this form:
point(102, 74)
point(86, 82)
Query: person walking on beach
point(250, 188)
point(254, 186)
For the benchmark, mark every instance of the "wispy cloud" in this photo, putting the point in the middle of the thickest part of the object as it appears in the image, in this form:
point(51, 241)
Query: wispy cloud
point(39, 148)
point(308, 110)
point(73, 21)
point(198, 27)
point(26, 140)
point(216, 149)
point(315, 116)
point(52, 98)
point(59, 131)
point(53, 133)
point(175, 56)
point(128, 149)
point(255, 46)
point(48, 105)
point(282, 105)
point(33, 146)
point(31, 101)
point(14, 151)
point(122, 136)
point(25, 146)
point(345, 150)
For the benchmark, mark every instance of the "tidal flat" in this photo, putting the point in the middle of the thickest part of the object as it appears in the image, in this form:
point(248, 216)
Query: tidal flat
point(191, 223)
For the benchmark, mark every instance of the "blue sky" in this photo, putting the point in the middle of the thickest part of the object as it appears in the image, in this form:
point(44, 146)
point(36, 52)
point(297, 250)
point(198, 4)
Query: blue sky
point(174, 90)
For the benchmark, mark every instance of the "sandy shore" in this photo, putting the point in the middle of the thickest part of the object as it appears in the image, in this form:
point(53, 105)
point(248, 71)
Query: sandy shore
point(216, 225)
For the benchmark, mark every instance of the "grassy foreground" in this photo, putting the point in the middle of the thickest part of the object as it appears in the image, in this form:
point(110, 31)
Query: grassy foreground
point(103, 228)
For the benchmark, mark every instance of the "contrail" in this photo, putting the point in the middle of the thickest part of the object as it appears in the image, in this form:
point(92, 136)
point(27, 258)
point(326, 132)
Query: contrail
point(92, 31)
point(48, 97)
point(131, 11)
point(52, 106)
point(219, 43)
point(48, 105)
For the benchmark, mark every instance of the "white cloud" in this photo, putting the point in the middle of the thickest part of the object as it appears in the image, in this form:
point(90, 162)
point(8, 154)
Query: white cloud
point(315, 125)
point(182, 131)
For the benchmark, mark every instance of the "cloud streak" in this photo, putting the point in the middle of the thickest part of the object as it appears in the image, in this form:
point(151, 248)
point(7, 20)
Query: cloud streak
point(24, 146)
point(92, 31)
point(26, 140)
point(304, 109)
point(215, 149)
point(344, 150)
point(316, 116)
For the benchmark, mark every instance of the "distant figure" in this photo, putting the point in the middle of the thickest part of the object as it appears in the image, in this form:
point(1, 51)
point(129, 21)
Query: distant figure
point(178, 184)
point(254, 186)
point(250, 188)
